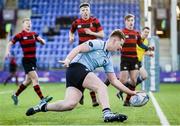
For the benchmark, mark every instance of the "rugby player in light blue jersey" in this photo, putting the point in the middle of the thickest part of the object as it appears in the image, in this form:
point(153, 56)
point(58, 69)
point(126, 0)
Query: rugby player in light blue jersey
point(80, 63)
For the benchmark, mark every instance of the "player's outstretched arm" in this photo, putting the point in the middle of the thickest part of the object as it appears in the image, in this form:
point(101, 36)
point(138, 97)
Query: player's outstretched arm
point(42, 41)
point(117, 84)
point(99, 34)
point(8, 49)
point(71, 37)
point(80, 48)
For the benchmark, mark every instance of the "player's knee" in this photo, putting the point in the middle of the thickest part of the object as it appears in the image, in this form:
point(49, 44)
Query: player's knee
point(35, 81)
point(71, 105)
point(26, 82)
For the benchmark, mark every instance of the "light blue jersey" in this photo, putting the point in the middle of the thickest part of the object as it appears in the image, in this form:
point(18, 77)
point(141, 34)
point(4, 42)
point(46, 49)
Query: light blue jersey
point(98, 56)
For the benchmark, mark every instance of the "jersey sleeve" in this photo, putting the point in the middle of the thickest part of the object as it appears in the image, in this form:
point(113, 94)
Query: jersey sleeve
point(98, 25)
point(73, 27)
point(140, 43)
point(95, 44)
point(108, 68)
point(35, 34)
point(139, 40)
point(16, 38)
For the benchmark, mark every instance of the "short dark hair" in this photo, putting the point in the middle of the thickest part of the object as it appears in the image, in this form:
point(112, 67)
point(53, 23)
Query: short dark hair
point(118, 33)
point(146, 28)
point(128, 16)
point(84, 4)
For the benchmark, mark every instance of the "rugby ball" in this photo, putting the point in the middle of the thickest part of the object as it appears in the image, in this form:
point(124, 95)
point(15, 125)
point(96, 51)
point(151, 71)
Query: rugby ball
point(138, 100)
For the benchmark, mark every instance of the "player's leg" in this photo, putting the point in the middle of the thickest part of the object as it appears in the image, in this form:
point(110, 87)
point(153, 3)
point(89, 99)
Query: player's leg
point(101, 90)
point(93, 98)
point(98, 87)
point(133, 77)
point(8, 78)
point(70, 101)
point(123, 78)
point(142, 75)
point(34, 77)
point(74, 91)
point(21, 88)
point(16, 77)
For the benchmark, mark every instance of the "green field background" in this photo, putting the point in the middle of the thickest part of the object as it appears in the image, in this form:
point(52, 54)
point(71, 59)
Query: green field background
point(168, 99)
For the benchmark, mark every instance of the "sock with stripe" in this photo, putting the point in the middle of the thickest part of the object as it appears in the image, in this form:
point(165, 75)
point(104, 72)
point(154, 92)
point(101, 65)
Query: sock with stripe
point(38, 91)
point(21, 88)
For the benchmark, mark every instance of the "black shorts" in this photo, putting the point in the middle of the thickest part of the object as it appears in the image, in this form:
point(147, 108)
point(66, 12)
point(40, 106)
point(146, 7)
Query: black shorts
point(29, 64)
point(75, 75)
point(12, 69)
point(129, 64)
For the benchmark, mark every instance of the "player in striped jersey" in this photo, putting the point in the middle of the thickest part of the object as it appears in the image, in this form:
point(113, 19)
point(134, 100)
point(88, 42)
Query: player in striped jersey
point(27, 40)
point(140, 53)
point(88, 28)
point(129, 60)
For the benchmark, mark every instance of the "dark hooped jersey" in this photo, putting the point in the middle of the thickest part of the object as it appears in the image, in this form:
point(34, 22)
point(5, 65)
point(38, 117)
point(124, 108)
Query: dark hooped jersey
point(133, 38)
point(28, 43)
point(79, 24)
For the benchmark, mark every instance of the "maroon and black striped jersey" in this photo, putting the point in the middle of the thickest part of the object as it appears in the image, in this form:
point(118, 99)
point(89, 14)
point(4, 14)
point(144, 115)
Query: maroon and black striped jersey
point(129, 47)
point(79, 24)
point(28, 43)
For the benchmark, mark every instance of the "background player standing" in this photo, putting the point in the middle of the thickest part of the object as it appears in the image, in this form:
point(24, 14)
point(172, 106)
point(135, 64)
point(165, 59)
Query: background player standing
point(88, 28)
point(140, 54)
point(129, 60)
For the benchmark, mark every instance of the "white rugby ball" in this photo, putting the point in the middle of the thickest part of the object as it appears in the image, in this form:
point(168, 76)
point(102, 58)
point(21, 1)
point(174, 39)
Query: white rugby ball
point(138, 100)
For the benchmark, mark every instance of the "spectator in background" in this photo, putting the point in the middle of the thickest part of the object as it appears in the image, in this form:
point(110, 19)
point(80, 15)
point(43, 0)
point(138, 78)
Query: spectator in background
point(88, 28)
point(12, 70)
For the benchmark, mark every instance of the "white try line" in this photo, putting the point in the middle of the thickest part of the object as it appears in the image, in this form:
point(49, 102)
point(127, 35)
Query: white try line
point(162, 117)
point(6, 92)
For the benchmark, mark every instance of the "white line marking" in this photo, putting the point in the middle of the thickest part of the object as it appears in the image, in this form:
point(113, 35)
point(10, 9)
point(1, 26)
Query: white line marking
point(6, 92)
point(162, 117)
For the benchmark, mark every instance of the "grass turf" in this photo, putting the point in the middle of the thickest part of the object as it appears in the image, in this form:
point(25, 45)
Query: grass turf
point(86, 114)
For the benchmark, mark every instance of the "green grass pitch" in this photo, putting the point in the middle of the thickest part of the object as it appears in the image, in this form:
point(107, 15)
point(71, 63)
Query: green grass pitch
point(168, 99)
